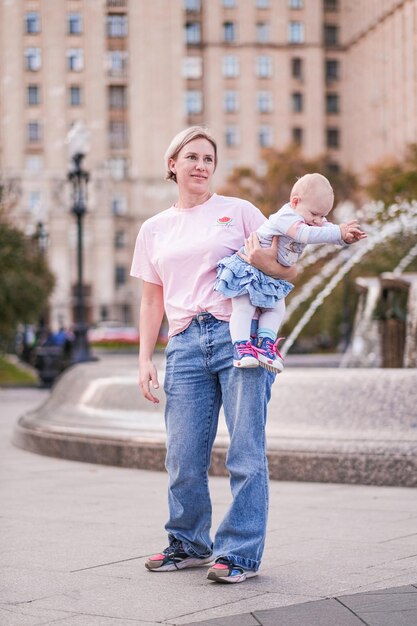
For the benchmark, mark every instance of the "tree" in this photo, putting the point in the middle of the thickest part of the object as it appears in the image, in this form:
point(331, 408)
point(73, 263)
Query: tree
point(269, 191)
point(394, 181)
point(25, 279)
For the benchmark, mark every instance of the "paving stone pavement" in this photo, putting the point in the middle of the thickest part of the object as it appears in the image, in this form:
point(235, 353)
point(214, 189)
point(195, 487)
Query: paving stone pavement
point(74, 537)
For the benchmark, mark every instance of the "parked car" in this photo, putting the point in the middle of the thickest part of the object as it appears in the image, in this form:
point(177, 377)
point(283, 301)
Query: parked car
point(113, 332)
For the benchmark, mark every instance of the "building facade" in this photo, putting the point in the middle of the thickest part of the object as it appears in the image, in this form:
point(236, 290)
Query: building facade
point(331, 75)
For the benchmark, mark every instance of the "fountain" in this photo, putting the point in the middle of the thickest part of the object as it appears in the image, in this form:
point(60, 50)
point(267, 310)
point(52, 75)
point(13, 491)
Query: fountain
point(364, 349)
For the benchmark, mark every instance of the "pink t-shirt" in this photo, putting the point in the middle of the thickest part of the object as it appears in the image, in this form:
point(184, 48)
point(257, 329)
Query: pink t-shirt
point(180, 249)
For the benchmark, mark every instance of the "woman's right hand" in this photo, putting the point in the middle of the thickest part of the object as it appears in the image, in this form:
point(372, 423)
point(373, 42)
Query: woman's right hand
point(148, 376)
point(151, 314)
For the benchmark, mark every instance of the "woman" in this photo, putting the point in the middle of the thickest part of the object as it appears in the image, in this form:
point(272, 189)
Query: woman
point(176, 255)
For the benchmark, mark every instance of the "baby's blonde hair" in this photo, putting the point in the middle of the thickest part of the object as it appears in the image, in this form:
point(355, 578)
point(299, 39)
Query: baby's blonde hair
point(180, 140)
point(312, 183)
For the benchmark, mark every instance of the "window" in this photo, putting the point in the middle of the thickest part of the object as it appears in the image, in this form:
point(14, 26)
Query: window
point(297, 68)
point(33, 132)
point(262, 32)
point(231, 101)
point(34, 201)
point(104, 313)
point(34, 163)
point(117, 62)
point(232, 136)
point(334, 167)
point(331, 5)
point(231, 67)
point(264, 102)
point(33, 95)
point(332, 70)
point(120, 275)
point(118, 169)
point(193, 102)
point(263, 66)
point(265, 137)
point(75, 59)
point(117, 25)
point(296, 32)
point(297, 102)
point(75, 24)
point(127, 313)
point(332, 103)
point(229, 4)
point(118, 202)
point(229, 32)
point(295, 4)
point(192, 67)
point(192, 33)
point(333, 138)
point(192, 5)
point(32, 23)
point(262, 4)
point(117, 97)
point(118, 135)
point(120, 239)
point(33, 58)
point(331, 35)
point(297, 136)
point(74, 94)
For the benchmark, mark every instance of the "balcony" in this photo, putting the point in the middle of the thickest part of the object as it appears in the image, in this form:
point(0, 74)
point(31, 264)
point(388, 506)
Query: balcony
point(116, 4)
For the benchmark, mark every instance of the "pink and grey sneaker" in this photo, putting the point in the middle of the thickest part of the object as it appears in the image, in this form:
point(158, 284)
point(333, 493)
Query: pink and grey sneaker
point(268, 354)
point(174, 558)
point(225, 571)
point(244, 354)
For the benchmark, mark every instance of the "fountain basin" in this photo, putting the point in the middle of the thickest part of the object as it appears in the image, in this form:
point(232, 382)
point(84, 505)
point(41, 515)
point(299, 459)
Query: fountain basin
point(345, 425)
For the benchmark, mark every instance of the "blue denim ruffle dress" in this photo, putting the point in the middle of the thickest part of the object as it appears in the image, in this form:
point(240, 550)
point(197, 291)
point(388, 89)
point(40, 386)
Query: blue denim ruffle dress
point(236, 277)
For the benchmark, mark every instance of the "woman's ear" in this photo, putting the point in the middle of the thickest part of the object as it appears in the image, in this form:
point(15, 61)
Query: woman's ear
point(171, 165)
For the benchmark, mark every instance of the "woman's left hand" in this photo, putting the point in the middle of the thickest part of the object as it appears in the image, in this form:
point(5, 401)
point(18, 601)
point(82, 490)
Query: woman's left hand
point(258, 256)
point(265, 259)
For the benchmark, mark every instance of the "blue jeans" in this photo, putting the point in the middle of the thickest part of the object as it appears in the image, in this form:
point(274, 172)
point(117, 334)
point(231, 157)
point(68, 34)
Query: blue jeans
point(200, 378)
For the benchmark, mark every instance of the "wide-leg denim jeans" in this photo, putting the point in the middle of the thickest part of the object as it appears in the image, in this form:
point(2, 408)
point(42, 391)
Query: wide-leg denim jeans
point(200, 378)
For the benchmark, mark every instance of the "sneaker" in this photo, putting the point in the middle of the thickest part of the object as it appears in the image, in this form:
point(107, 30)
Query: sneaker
point(225, 571)
point(244, 354)
point(268, 354)
point(173, 558)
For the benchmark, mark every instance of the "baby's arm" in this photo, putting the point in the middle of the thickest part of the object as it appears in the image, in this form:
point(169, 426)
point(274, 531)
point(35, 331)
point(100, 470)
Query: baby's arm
point(304, 233)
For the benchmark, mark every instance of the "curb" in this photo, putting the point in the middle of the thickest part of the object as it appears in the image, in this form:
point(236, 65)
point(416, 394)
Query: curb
point(307, 466)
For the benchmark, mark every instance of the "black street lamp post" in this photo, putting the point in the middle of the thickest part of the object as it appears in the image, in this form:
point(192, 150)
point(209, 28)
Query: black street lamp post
point(42, 238)
point(79, 178)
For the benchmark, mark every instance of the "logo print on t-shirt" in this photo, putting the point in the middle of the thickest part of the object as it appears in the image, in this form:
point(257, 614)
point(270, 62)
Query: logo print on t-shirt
point(224, 221)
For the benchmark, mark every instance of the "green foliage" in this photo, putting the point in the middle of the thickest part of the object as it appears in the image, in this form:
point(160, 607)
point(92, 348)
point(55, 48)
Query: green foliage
point(12, 374)
point(395, 181)
point(25, 281)
point(115, 345)
point(272, 189)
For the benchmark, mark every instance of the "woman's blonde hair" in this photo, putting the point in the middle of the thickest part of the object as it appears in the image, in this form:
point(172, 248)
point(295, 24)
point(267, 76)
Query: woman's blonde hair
point(180, 140)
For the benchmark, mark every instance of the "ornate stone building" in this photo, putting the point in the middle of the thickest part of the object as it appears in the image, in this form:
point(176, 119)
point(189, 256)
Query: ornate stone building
point(335, 75)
